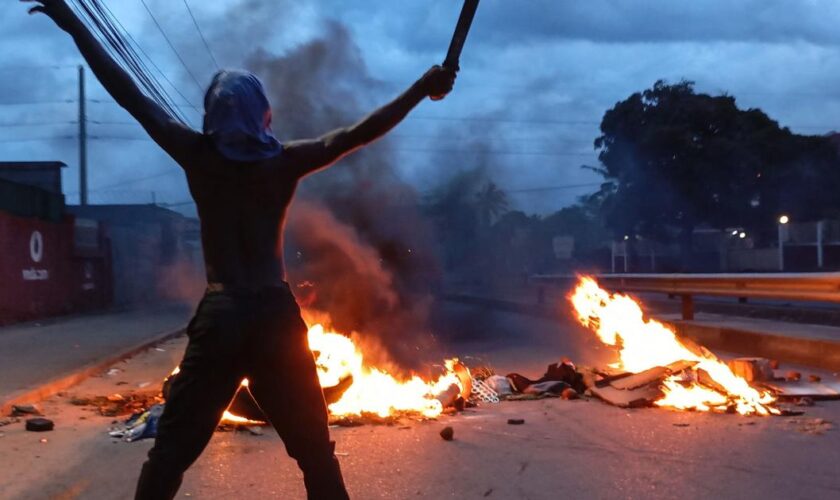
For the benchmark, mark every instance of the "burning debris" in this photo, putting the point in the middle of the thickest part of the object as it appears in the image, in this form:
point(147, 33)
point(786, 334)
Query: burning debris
point(658, 367)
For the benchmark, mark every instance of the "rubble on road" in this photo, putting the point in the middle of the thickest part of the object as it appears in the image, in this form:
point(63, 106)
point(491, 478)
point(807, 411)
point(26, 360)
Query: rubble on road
point(117, 405)
point(9, 421)
point(39, 424)
point(21, 410)
point(448, 433)
point(796, 389)
point(812, 426)
point(141, 425)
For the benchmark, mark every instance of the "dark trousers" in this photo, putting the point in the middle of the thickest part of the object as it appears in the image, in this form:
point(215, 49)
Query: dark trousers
point(260, 336)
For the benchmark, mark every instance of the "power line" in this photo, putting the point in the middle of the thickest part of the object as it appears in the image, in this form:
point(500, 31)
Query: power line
point(37, 124)
point(39, 139)
point(405, 150)
point(158, 175)
point(179, 106)
point(34, 67)
point(201, 34)
point(37, 103)
point(106, 25)
point(171, 45)
point(151, 61)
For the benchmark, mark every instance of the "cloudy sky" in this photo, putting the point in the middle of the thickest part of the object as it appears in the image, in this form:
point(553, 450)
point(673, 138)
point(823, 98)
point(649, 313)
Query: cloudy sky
point(537, 76)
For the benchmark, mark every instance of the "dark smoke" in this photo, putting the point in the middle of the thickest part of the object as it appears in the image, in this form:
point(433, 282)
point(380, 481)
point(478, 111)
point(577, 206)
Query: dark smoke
point(357, 246)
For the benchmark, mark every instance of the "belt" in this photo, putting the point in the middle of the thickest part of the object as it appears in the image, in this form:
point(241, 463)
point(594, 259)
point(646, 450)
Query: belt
point(243, 290)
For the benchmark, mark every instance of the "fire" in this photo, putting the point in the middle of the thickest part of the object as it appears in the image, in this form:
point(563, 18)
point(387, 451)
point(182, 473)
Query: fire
point(643, 344)
point(373, 390)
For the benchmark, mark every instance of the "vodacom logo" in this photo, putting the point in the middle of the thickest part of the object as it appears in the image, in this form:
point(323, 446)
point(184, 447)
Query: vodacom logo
point(36, 246)
point(36, 251)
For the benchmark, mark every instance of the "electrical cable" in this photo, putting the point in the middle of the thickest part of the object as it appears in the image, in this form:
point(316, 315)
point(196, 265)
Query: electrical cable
point(201, 34)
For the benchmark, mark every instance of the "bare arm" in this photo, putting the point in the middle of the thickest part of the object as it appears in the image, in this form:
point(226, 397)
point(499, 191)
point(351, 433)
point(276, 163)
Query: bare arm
point(167, 132)
point(311, 155)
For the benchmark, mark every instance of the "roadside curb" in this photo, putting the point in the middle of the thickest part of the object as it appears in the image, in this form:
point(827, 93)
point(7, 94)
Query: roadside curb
point(818, 353)
point(52, 387)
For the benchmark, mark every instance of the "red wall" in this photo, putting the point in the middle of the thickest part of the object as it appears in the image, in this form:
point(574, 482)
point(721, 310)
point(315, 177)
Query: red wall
point(40, 275)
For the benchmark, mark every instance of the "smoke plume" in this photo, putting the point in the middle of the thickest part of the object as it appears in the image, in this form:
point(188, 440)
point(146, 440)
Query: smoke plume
point(357, 246)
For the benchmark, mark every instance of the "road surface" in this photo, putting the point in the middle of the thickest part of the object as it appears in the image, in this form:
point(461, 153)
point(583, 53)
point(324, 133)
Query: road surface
point(565, 449)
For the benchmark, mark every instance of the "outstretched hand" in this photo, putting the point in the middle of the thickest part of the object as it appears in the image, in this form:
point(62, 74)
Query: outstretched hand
point(438, 81)
point(57, 10)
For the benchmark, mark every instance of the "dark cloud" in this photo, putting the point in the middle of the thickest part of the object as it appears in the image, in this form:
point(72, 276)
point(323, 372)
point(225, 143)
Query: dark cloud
point(527, 60)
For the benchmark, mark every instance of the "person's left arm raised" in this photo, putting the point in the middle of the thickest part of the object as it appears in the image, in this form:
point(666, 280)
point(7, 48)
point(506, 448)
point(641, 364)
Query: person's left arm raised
point(165, 130)
point(307, 156)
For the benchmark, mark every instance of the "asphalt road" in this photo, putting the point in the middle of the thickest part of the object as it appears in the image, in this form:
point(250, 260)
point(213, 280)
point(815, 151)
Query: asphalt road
point(36, 352)
point(578, 449)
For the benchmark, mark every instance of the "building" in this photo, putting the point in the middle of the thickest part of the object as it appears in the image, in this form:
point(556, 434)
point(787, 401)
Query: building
point(50, 262)
point(155, 252)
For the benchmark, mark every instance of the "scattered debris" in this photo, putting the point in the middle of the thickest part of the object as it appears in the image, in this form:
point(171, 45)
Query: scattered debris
point(516, 421)
point(681, 425)
point(792, 390)
point(556, 372)
point(158, 349)
point(752, 369)
point(39, 424)
point(651, 375)
point(812, 426)
point(483, 391)
point(793, 376)
point(8, 421)
point(569, 393)
point(141, 425)
point(113, 371)
point(21, 410)
point(254, 430)
point(803, 401)
point(118, 405)
point(448, 433)
point(500, 385)
point(814, 378)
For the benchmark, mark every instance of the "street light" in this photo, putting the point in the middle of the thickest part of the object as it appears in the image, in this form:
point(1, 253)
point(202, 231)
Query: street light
point(783, 221)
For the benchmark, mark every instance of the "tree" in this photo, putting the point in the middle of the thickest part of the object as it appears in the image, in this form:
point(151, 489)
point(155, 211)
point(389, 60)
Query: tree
point(490, 203)
point(674, 159)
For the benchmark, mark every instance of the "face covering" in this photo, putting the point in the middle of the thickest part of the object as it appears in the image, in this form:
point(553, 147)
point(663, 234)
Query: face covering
point(237, 117)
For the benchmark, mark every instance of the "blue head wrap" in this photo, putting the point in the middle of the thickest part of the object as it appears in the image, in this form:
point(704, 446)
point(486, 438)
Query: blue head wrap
point(237, 117)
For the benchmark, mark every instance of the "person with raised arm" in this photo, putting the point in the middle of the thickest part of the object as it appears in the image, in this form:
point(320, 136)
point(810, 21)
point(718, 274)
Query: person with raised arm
point(248, 324)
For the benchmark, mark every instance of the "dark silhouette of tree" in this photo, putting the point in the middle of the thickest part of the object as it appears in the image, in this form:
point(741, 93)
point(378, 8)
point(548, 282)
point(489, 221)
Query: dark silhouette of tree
point(674, 159)
point(490, 203)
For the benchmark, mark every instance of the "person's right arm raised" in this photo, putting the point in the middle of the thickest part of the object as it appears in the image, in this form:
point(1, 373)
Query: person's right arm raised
point(165, 130)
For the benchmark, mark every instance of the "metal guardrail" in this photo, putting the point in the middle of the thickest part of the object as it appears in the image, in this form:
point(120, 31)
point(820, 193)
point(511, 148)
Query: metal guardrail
point(807, 287)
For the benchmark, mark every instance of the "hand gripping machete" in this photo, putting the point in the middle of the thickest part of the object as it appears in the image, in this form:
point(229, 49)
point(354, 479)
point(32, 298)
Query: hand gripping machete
point(453, 56)
point(460, 35)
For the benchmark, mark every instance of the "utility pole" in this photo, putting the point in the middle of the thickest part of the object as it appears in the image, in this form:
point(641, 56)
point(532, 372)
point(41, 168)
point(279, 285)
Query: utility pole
point(83, 187)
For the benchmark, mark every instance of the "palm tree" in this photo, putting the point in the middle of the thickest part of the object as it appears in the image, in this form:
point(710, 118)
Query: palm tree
point(491, 202)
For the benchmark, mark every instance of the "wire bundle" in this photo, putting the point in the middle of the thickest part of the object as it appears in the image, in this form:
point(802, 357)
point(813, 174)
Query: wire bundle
point(130, 55)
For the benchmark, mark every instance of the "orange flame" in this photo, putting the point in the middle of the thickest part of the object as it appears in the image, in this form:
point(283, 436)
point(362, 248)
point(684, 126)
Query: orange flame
point(373, 390)
point(643, 344)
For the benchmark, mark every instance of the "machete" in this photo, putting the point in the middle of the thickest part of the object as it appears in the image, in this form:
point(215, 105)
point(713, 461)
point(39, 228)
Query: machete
point(460, 35)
